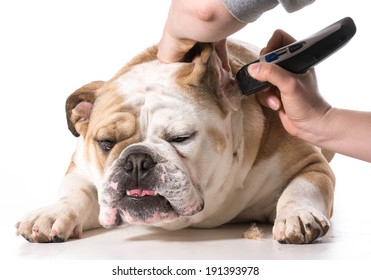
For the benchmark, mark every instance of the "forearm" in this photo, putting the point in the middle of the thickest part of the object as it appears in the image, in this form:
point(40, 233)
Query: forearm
point(250, 10)
point(343, 131)
point(204, 21)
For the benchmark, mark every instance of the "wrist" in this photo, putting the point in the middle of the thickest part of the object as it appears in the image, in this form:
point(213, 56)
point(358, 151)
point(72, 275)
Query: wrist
point(320, 130)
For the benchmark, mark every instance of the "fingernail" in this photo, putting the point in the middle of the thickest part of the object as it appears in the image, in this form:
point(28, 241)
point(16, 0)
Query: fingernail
point(273, 104)
point(253, 69)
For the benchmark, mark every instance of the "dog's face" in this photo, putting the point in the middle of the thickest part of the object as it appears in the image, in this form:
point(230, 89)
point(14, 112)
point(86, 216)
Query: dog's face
point(157, 138)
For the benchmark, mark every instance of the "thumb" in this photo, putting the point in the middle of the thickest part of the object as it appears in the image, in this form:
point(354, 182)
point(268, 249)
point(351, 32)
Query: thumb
point(171, 49)
point(270, 72)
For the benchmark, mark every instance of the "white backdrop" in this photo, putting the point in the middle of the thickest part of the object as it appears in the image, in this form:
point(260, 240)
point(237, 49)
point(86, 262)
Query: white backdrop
point(50, 48)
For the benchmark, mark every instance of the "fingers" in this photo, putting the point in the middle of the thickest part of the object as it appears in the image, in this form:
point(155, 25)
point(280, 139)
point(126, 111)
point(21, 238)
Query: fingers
point(269, 98)
point(171, 49)
point(279, 39)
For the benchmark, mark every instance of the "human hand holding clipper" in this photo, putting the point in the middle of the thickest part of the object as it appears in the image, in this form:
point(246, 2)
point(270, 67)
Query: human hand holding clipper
point(304, 112)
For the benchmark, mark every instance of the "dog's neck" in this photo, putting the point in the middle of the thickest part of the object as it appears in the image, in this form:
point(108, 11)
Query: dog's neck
point(244, 122)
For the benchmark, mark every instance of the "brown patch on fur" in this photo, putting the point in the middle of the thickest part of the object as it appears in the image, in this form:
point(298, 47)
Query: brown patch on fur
point(72, 216)
point(86, 93)
point(239, 56)
point(118, 125)
point(322, 177)
point(329, 155)
point(200, 81)
point(101, 158)
point(218, 140)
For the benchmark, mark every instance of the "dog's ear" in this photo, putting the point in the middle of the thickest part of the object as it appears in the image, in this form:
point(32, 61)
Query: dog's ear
point(79, 105)
point(204, 70)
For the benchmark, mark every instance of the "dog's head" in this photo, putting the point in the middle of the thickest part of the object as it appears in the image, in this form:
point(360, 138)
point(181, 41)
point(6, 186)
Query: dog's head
point(157, 138)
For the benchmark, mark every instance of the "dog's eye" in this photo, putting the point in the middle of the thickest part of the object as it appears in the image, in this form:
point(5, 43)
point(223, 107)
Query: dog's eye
point(181, 138)
point(106, 145)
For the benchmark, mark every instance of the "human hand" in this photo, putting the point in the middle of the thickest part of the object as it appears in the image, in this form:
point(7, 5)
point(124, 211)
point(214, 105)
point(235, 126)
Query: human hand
point(295, 96)
point(194, 21)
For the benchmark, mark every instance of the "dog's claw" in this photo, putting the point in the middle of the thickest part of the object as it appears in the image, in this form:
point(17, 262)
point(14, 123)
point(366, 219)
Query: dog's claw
point(57, 239)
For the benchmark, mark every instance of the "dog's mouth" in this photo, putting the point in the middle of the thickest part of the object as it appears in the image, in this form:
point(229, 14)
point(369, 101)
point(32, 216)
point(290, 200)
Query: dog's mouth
point(141, 206)
point(148, 206)
point(145, 206)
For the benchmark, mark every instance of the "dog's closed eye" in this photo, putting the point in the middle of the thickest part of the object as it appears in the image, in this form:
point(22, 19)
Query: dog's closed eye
point(181, 138)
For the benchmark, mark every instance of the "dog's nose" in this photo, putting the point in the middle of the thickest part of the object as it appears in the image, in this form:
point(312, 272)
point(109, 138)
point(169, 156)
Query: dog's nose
point(138, 164)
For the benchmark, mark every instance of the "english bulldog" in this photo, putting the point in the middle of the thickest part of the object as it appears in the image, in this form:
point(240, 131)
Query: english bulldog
point(175, 146)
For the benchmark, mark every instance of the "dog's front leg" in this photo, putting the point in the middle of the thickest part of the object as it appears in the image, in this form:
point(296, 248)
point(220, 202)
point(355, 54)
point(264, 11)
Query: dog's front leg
point(75, 211)
point(304, 209)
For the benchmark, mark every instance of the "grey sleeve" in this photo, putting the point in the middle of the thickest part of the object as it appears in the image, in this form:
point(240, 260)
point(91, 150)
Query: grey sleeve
point(250, 10)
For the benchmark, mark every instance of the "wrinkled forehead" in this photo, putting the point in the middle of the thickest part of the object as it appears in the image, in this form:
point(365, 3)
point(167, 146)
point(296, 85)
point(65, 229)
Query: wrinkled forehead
point(151, 90)
point(147, 77)
point(151, 86)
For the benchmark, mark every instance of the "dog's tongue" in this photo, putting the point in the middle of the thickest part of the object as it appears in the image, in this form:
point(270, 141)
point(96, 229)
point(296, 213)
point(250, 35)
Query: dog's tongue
point(139, 192)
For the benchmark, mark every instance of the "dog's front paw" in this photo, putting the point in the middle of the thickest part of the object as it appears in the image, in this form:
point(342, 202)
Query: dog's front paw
point(301, 226)
point(55, 223)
